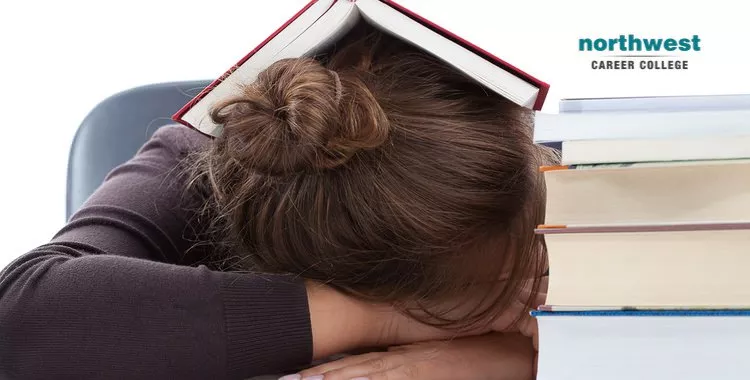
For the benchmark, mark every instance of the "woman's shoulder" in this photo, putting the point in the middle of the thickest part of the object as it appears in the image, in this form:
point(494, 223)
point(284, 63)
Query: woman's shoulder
point(179, 139)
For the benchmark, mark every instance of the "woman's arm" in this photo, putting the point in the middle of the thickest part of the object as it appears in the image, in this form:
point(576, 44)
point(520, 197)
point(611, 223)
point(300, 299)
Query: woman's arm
point(493, 356)
point(106, 297)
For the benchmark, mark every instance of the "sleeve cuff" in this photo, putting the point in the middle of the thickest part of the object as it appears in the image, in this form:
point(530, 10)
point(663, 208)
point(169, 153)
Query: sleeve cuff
point(267, 323)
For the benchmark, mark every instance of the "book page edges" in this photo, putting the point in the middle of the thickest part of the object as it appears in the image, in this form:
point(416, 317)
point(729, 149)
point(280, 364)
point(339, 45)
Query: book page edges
point(542, 86)
point(178, 116)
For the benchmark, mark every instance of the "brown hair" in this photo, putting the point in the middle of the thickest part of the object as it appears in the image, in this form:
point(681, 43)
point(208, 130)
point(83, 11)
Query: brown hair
point(383, 172)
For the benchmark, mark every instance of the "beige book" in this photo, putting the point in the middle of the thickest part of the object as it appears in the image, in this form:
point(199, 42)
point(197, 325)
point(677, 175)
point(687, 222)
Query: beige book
point(679, 266)
point(706, 191)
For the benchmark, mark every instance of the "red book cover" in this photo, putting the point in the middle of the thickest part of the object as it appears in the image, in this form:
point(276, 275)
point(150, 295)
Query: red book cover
point(543, 87)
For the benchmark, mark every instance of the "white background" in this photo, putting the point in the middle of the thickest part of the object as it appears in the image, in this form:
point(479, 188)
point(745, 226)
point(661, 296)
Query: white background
point(58, 59)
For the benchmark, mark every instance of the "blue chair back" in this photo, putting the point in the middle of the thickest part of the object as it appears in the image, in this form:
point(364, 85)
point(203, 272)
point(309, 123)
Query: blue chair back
point(116, 128)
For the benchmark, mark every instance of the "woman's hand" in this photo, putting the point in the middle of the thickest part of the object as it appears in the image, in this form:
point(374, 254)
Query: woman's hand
point(405, 330)
point(342, 324)
point(488, 357)
point(527, 325)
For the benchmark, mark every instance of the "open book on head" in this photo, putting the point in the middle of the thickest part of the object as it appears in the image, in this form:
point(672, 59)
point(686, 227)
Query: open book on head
point(321, 23)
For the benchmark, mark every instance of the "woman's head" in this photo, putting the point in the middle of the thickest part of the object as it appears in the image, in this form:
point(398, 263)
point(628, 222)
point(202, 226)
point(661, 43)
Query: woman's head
point(381, 171)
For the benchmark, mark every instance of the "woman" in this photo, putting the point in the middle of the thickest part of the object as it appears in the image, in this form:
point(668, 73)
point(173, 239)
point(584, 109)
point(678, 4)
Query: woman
point(405, 188)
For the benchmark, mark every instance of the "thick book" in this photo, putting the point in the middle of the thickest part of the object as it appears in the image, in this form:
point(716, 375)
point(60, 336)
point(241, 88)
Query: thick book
point(640, 125)
point(656, 103)
point(644, 345)
point(578, 152)
point(649, 193)
point(323, 22)
point(675, 266)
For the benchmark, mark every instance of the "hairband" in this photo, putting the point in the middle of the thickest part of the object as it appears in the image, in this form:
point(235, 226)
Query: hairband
point(339, 87)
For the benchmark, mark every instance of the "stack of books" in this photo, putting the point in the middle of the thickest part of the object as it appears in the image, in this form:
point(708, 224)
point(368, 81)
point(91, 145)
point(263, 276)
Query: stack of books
point(648, 231)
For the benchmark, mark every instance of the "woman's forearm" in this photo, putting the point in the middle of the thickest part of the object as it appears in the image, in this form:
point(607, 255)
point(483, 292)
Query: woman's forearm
point(69, 314)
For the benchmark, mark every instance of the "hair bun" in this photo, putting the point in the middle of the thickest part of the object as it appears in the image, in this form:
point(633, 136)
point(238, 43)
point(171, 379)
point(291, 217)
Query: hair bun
point(297, 116)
